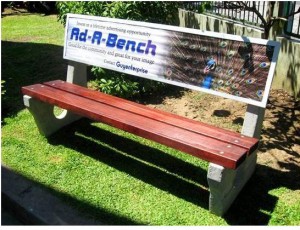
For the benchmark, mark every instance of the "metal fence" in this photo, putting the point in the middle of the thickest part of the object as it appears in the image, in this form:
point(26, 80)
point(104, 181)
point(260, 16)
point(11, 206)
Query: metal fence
point(292, 27)
point(218, 8)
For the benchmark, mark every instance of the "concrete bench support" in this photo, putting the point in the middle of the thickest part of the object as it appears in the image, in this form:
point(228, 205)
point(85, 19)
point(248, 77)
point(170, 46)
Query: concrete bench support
point(225, 184)
point(45, 118)
point(43, 113)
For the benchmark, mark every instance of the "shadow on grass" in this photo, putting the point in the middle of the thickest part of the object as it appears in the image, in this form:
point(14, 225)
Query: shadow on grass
point(160, 170)
point(282, 134)
point(25, 64)
point(253, 206)
point(254, 202)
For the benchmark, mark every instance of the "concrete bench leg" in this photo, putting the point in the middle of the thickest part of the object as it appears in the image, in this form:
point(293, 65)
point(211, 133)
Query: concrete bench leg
point(44, 117)
point(43, 113)
point(225, 184)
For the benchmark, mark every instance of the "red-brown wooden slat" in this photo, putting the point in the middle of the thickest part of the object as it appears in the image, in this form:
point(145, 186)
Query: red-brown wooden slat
point(200, 146)
point(230, 137)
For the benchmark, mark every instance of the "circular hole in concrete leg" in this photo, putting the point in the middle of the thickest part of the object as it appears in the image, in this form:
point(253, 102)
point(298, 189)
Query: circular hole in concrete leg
point(59, 113)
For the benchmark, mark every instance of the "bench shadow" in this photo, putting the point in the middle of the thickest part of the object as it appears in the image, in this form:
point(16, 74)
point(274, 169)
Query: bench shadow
point(161, 170)
point(171, 174)
point(254, 202)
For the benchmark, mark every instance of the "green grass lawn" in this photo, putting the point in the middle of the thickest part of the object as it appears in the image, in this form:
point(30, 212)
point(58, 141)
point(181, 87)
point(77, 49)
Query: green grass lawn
point(110, 175)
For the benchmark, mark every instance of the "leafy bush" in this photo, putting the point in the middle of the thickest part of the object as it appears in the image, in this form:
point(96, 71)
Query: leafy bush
point(157, 12)
point(123, 85)
point(114, 83)
point(204, 7)
point(3, 91)
point(46, 7)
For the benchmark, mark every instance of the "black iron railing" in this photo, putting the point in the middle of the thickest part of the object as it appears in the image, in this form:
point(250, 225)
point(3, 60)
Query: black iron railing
point(292, 26)
point(248, 17)
point(219, 8)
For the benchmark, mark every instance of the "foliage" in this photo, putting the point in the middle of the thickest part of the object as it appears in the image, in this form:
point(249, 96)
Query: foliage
point(2, 86)
point(204, 6)
point(46, 7)
point(156, 12)
point(120, 84)
point(113, 83)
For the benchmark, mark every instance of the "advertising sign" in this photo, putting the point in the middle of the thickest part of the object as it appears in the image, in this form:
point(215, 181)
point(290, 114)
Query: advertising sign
point(231, 66)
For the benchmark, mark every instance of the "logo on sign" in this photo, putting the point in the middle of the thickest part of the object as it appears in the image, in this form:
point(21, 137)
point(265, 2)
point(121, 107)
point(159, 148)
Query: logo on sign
point(113, 41)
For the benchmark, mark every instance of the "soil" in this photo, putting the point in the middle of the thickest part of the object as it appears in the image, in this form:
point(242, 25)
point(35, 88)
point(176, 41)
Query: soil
point(280, 137)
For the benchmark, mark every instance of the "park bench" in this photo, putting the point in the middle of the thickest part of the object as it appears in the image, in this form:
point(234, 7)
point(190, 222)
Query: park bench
point(234, 67)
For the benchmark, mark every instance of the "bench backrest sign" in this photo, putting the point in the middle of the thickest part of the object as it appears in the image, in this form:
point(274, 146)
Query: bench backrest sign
point(230, 66)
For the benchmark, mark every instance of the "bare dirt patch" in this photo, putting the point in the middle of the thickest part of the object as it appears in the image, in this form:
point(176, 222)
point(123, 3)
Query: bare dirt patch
point(280, 139)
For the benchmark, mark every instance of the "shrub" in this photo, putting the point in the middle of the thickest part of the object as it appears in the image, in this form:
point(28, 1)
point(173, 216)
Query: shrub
point(3, 91)
point(114, 83)
point(156, 12)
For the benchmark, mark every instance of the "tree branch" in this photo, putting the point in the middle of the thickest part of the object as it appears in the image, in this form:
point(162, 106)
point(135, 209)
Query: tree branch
point(243, 6)
point(261, 17)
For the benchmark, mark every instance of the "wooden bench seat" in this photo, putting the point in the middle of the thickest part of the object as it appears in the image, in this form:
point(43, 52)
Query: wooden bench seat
point(216, 145)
